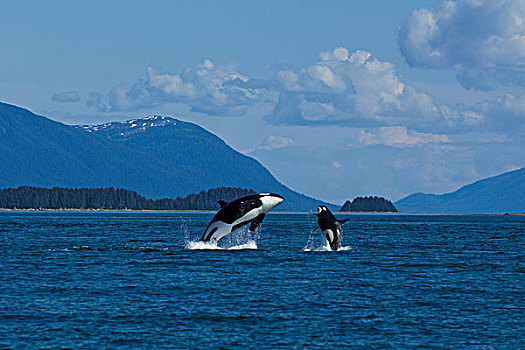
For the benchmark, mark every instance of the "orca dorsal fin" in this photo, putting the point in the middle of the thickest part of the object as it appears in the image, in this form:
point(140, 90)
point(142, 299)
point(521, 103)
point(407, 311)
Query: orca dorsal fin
point(343, 221)
point(222, 203)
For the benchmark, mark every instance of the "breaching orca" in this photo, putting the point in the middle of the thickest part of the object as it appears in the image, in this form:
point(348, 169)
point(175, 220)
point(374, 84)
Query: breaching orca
point(242, 211)
point(330, 226)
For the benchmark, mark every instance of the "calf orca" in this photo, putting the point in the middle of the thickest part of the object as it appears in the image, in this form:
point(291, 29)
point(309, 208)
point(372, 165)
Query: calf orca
point(242, 211)
point(330, 226)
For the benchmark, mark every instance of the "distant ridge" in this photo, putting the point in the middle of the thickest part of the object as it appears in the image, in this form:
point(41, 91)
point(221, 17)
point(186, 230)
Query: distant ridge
point(500, 194)
point(155, 156)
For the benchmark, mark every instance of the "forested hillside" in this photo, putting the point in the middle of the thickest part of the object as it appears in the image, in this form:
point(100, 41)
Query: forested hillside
point(369, 204)
point(156, 156)
point(113, 199)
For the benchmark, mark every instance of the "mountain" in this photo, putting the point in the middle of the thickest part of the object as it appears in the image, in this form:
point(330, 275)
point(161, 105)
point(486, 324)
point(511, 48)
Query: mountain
point(500, 194)
point(155, 156)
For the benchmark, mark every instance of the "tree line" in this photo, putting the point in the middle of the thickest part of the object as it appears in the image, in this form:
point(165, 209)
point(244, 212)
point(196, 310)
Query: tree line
point(369, 204)
point(26, 197)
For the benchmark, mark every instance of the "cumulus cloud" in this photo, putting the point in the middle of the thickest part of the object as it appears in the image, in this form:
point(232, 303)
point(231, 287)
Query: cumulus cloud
point(489, 79)
point(357, 89)
point(96, 100)
point(398, 136)
point(276, 142)
point(65, 97)
point(340, 88)
point(505, 111)
point(484, 40)
point(353, 88)
point(207, 88)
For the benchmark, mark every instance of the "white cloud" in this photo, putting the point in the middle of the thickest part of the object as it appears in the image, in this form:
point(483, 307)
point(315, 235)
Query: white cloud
point(207, 88)
point(413, 163)
point(484, 40)
point(65, 97)
point(96, 100)
point(506, 113)
point(340, 88)
point(357, 89)
point(276, 142)
point(398, 136)
point(170, 85)
point(336, 165)
point(490, 79)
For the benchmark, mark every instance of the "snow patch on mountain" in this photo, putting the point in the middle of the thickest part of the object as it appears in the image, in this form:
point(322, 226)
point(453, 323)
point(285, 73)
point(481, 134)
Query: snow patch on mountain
point(133, 125)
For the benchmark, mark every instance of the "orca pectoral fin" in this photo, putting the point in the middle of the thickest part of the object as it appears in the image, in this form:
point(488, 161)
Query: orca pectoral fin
point(256, 222)
point(206, 237)
point(222, 203)
point(343, 221)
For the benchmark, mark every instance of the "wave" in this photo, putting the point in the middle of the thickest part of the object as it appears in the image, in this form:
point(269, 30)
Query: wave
point(81, 248)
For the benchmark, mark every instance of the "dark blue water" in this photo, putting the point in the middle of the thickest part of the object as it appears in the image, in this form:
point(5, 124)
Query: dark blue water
point(126, 280)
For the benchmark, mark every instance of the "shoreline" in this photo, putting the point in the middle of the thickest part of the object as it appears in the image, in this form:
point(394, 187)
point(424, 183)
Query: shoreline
point(214, 211)
point(105, 210)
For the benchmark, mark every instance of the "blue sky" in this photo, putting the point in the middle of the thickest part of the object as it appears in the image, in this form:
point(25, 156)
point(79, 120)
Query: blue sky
point(336, 98)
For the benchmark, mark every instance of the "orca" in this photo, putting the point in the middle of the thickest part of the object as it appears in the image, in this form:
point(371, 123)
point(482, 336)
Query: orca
point(239, 212)
point(330, 226)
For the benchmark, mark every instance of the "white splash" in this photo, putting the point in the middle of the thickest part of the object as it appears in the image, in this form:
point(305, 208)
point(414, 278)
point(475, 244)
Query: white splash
point(241, 239)
point(325, 247)
point(310, 247)
point(345, 248)
point(199, 245)
point(250, 245)
point(316, 242)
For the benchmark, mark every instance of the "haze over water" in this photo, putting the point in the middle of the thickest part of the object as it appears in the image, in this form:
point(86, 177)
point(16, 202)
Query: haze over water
point(128, 280)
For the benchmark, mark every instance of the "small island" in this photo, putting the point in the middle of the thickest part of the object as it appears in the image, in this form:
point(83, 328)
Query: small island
point(369, 205)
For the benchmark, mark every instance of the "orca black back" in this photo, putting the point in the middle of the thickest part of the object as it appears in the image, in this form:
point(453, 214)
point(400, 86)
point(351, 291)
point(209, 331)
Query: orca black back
point(330, 226)
point(238, 213)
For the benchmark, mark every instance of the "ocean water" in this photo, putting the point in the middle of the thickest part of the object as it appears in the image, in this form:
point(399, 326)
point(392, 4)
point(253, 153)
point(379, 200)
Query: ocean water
point(138, 280)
